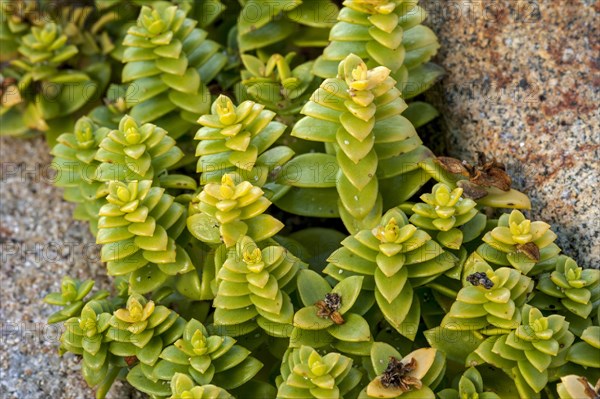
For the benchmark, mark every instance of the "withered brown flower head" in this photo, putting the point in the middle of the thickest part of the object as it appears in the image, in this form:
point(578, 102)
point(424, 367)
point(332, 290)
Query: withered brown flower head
point(486, 173)
point(480, 278)
point(333, 301)
point(329, 307)
point(490, 173)
point(396, 375)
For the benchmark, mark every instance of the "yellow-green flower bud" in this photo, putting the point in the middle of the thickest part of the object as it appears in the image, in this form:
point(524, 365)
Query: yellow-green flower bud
point(137, 310)
point(199, 343)
point(226, 111)
point(84, 133)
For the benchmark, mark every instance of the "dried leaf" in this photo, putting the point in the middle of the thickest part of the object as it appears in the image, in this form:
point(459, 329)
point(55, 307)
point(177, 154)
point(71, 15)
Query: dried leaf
point(530, 250)
point(471, 190)
point(454, 165)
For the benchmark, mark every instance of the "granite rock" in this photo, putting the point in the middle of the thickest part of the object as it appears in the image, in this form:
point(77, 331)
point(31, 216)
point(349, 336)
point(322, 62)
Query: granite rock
point(523, 85)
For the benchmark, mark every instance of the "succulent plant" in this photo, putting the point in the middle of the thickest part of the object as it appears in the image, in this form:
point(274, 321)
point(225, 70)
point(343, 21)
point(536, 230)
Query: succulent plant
point(411, 376)
point(198, 254)
point(393, 257)
point(445, 210)
point(358, 116)
point(138, 229)
point(204, 359)
point(49, 93)
point(183, 386)
point(253, 284)
point(303, 23)
point(538, 344)
point(237, 139)
point(470, 386)
point(228, 211)
point(387, 33)
point(136, 152)
point(71, 298)
point(75, 164)
point(84, 335)
point(307, 374)
point(518, 242)
point(44, 46)
point(327, 319)
point(16, 18)
point(139, 332)
point(576, 387)
point(169, 63)
point(486, 182)
point(575, 288)
point(489, 298)
point(273, 82)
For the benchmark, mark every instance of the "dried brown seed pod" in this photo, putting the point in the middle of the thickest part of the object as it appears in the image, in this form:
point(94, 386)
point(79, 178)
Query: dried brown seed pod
point(486, 173)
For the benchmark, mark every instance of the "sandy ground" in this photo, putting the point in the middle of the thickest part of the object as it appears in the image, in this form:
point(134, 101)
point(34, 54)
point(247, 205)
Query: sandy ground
point(39, 243)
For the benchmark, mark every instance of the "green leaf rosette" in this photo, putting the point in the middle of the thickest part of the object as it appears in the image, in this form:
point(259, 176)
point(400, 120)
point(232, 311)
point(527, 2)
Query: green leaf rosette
point(85, 335)
point(252, 286)
point(168, 64)
point(228, 211)
point(48, 92)
point(445, 210)
point(470, 386)
point(204, 358)
point(273, 82)
point(239, 140)
point(531, 352)
point(183, 386)
point(139, 332)
point(75, 164)
point(571, 288)
point(489, 298)
point(136, 152)
point(520, 243)
point(412, 376)
point(393, 257)
point(358, 116)
point(16, 19)
point(138, 229)
point(387, 33)
point(327, 319)
point(71, 298)
point(306, 374)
